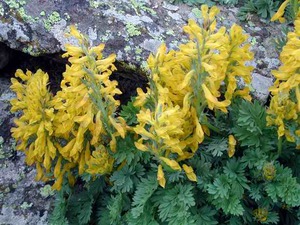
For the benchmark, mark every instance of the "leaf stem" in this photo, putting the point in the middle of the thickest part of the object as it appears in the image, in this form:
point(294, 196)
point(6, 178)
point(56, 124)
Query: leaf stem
point(279, 146)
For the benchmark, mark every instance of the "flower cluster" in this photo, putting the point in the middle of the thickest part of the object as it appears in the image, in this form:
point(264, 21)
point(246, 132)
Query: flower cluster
point(78, 126)
point(173, 118)
point(284, 110)
point(34, 128)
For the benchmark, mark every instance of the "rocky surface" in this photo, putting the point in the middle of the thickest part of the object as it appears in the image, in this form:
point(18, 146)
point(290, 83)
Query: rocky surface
point(130, 28)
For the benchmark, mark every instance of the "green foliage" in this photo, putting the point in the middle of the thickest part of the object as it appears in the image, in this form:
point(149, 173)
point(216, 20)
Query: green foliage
point(129, 111)
point(263, 8)
point(174, 204)
point(144, 191)
point(250, 127)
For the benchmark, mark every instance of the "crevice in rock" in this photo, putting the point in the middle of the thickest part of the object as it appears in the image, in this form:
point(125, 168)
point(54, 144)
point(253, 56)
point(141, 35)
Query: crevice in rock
point(129, 77)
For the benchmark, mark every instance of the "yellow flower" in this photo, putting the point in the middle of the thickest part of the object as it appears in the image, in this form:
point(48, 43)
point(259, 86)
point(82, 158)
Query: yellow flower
point(213, 102)
point(280, 12)
point(231, 145)
point(261, 214)
point(189, 172)
point(100, 162)
point(161, 177)
point(269, 171)
point(171, 163)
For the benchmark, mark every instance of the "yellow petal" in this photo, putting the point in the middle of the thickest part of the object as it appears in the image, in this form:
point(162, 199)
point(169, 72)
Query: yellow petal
point(39, 171)
point(213, 102)
point(298, 98)
point(57, 168)
point(171, 163)
point(113, 144)
point(231, 145)
point(161, 177)
point(280, 11)
point(140, 146)
point(189, 172)
point(118, 127)
point(58, 182)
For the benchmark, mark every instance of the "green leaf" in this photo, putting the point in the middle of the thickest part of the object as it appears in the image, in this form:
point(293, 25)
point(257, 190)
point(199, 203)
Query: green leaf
point(80, 208)
point(58, 216)
point(174, 204)
point(217, 146)
point(143, 192)
point(129, 112)
point(205, 216)
point(220, 187)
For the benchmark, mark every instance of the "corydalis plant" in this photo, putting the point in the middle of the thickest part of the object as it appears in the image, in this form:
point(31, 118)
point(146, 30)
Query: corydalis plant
point(76, 128)
point(173, 119)
point(284, 110)
point(34, 128)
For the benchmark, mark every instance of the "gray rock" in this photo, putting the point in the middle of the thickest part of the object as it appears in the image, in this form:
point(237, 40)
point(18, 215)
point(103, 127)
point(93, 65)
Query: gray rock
point(261, 86)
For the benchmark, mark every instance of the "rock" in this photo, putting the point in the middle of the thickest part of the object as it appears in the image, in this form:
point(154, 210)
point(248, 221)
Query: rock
point(261, 86)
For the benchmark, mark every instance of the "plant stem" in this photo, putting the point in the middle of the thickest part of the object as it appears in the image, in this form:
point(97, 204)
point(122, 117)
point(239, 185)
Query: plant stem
point(212, 127)
point(279, 146)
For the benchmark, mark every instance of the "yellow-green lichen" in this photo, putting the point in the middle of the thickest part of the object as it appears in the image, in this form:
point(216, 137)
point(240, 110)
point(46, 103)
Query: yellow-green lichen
point(12, 4)
point(46, 191)
point(132, 30)
point(67, 16)
point(1, 10)
point(53, 18)
point(96, 4)
point(22, 13)
point(138, 50)
point(25, 205)
point(127, 48)
point(139, 6)
point(170, 32)
point(43, 13)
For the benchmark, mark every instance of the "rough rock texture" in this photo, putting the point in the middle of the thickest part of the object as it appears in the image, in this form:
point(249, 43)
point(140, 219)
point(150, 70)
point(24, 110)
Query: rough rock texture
point(131, 29)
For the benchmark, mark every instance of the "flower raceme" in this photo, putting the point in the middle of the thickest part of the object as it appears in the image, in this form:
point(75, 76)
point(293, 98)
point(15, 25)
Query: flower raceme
point(76, 128)
point(285, 102)
point(173, 120)
point(34, 129)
